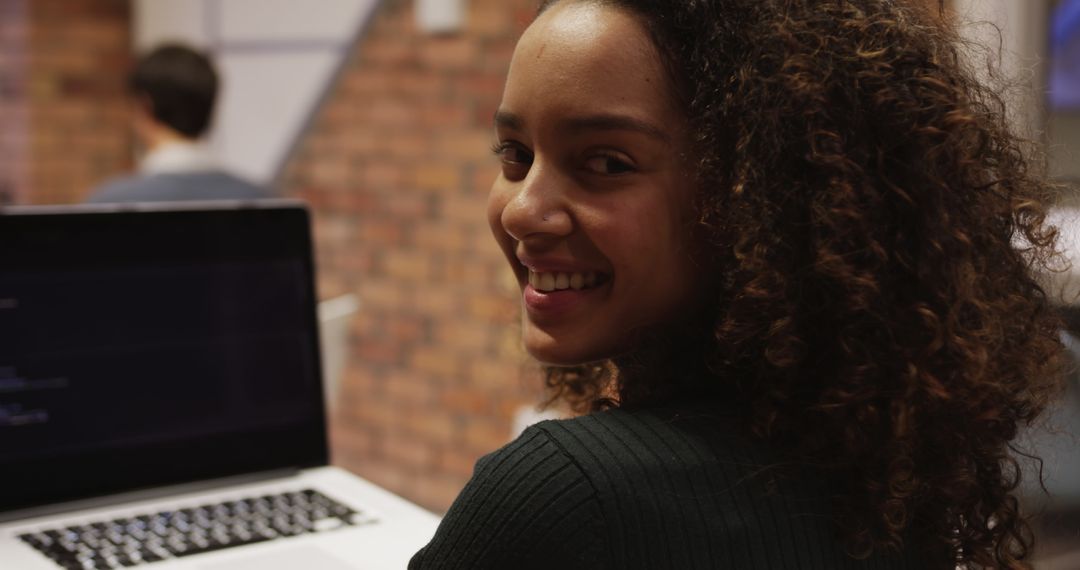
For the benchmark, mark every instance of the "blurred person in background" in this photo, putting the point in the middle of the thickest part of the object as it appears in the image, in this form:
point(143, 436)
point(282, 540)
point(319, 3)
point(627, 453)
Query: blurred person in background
point(173, 89)
point(784, 254)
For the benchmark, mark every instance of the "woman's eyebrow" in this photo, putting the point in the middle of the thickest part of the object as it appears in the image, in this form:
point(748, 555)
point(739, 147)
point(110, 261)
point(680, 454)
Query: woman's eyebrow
point(508, 120)
point(599, 122)
point(612, 122)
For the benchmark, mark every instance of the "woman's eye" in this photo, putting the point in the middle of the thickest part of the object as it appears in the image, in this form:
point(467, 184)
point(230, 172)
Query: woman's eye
point(515, 159)
point(511, 153)
point(608, 165)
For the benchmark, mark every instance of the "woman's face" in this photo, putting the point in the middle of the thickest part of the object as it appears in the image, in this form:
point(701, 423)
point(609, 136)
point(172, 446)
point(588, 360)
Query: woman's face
point(593, 205)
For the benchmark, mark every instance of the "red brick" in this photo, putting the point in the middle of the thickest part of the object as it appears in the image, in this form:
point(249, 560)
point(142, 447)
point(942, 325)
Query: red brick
point(445, 116)
point(408, 266)
point(401, 144)
point(359, 262)
point(388, 52)
point(472, 145)
point(381, 175)
point(407, 451)
point(393, 113)
point(363, 83)
point(486, 435)
point(349, 440)
point(496, 58)
point(469, 209)
point(378, 352)
point(474, 405)
point(442, 177)
point(483, 243)
point(369, 412)
point(384, 295)
point(489, 18)
point(338, 113)
point(376, 231)
point(416, 83)
point(408, 389)
point(404, 204)
point(438, 302)
point(454, 462)
point(499, 309)
point(436, 424)
point(469, 337)
point(407, 329)
point(438, 492)
point(440, 237)
point(331, 285)
point(330, 173)
point(488, 375)
point(442, 363)
point(382, 473)
point(508, 343)
point(465, 272)
point(448, 52)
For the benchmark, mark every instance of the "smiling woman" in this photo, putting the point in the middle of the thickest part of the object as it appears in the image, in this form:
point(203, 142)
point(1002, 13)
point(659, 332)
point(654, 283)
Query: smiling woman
point(594, 186)
point(782, 250)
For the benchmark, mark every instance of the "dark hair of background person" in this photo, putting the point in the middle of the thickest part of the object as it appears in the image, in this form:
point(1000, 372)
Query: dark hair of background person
point(873, 228)
point(180, 85)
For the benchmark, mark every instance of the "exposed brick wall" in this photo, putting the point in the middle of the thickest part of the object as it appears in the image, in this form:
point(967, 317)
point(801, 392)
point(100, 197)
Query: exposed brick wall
point(62, 71)
point(397, 168)
point(13, 128)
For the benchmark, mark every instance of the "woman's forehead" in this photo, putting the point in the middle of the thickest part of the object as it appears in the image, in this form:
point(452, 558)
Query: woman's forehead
point(584, 32)
point(586, 58)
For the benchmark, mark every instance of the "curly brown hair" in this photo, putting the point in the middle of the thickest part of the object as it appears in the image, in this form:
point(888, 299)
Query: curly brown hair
point(875, 229)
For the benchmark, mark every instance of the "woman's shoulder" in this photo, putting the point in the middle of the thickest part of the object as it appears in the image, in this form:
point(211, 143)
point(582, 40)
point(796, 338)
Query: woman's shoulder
point(587, 492)
point(709, 492)
point(664, 461)
point(670, 436)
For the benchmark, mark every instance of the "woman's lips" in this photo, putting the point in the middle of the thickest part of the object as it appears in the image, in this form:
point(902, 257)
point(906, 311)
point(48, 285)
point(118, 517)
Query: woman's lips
point(550, 304)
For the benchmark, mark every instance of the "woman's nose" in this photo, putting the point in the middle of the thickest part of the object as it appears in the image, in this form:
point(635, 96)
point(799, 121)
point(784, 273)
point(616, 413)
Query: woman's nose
point(537, 208)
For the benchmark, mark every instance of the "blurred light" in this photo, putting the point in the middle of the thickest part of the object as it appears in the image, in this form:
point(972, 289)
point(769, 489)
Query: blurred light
point(440, 16)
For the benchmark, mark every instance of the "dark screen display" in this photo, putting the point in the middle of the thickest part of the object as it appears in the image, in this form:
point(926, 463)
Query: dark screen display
point(147, 348)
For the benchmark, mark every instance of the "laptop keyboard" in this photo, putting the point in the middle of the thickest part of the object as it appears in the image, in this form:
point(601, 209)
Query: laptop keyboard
point(138, 540)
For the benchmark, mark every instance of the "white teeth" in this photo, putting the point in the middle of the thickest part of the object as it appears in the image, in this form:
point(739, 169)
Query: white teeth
point(546, 282)
point(560, 281)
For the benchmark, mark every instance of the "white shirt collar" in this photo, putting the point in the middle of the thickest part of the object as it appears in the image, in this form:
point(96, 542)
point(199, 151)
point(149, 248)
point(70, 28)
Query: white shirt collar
point(177, 157)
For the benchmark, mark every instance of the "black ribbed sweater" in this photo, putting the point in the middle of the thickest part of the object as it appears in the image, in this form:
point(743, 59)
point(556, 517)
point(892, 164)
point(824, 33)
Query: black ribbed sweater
point(671, 488)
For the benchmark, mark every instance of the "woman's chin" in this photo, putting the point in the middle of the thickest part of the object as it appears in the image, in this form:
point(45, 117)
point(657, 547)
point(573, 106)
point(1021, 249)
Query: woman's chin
point(553, 352)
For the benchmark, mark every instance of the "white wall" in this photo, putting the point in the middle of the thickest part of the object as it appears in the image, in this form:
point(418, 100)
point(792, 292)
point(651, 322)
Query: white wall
point(1023, 24)
point(1012, 33)
point(276, 59)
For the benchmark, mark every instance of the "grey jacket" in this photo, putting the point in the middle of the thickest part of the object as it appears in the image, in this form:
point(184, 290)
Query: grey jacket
point(174, 187)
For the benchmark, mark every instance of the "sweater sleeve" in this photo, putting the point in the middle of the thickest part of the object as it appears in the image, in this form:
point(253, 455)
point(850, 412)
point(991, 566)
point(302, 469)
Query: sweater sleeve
point(528, 505)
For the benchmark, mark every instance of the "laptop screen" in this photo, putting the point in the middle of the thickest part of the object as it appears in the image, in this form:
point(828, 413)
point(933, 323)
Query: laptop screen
point(147, 348)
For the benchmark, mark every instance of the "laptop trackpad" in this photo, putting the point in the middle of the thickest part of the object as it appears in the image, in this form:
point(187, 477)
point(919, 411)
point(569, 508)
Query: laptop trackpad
point(285, 559)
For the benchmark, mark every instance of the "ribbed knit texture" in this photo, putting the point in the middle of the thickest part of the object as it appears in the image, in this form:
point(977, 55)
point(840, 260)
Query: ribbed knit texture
point(662, 489)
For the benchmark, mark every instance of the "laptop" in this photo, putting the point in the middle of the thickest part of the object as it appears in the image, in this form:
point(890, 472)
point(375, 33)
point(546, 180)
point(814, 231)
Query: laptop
point(161, 403)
